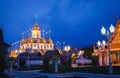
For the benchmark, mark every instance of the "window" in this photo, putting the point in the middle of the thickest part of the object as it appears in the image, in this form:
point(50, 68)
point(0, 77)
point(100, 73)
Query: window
point(47, 46)
point(44, 46)
point(50, 46)
point(41, 46)
point(34, 45)
point(38, 45)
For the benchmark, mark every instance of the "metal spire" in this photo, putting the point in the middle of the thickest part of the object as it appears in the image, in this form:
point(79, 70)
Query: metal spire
point(22, 35)
point(46, 34)
point(36, 18)
point(43, 33)
point(49, 34)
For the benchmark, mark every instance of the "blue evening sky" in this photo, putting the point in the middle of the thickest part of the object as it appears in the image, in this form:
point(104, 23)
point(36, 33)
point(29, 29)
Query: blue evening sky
point(77, 22)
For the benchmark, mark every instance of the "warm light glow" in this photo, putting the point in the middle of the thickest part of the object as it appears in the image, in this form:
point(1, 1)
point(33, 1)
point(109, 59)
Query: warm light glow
point(16, 51)
point(98, 43)
point(80, 53)
point(35, 33)
point(103, 30)
point(112, 28)
point(103, 42)
point(20, 51)
point(33, 43)
point(67, 48)
point(94, 54)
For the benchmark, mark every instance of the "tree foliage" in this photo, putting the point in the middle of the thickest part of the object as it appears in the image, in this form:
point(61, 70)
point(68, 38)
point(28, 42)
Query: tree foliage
point(3, 60)
point(88, 51)
point(46, 63)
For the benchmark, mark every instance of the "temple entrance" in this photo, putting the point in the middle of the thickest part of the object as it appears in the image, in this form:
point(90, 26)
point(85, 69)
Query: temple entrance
point(113, 58)
point(118, 57)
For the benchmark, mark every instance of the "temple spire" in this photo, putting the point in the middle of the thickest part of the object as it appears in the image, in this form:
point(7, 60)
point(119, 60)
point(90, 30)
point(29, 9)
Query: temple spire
point(49, 34)
point(36, 19)
point(118, 24)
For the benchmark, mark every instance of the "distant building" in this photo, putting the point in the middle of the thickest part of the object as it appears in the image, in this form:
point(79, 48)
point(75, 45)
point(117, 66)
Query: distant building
point(114, 48)
point(35, 42)
point(26, 58)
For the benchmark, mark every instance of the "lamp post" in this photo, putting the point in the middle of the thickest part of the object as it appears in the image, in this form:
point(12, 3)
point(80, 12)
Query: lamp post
point(67, 49)
point(28, 57)
point(101, 46)
point(108, 33)
point(63, 45)
point(57, 44)
point(49, 34)
point(18, 58)
point(81, 52)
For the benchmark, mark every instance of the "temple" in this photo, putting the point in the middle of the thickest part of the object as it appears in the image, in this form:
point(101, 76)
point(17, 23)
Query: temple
point(35, 42)
point(114, 48)
point(115, 44)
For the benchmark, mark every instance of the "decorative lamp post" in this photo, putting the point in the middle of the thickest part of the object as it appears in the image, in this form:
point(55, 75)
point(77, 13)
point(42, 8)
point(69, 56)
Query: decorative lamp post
point(28, 57)
point(59, 45)
point(81, 52)
point(18, 58)
point(46, 34)
point(101, 46)
point(49, 34)
point(67, 49)
point(43, 31)
point(63, 45)
point(108, 33)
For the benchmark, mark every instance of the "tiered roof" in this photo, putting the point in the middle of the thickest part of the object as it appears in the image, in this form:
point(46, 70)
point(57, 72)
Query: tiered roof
point(115, 38)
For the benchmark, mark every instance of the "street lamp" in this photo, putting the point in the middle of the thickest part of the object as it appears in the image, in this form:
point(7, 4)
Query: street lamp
point(63, 45)
point(108, 33)
point(28, 57)
point(101, 46)
point(81, 52)
point(67, 49)
point(17, 58)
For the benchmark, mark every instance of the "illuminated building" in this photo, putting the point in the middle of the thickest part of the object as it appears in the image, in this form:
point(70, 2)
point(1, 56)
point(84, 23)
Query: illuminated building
point(114, 48)
point(35, 42)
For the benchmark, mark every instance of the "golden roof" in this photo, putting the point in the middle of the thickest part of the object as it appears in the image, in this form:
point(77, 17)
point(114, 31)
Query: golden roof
point(115, 38)
point(49, 41)
point(43, 40)
point(31, 40)
point(117, 45)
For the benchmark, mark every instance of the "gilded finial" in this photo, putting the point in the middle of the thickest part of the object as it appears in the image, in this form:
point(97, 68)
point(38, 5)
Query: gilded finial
point(36, 18)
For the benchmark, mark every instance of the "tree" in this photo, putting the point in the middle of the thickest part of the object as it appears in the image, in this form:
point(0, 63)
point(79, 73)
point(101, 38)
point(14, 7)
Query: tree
point(73, 57)
point(55, 60)
point(94, 60)
point(46, 63)
point(3, 52)
point(3, 59)
point(88, 51)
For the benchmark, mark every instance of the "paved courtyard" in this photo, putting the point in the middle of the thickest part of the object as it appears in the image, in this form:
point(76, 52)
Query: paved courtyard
point(37, 74)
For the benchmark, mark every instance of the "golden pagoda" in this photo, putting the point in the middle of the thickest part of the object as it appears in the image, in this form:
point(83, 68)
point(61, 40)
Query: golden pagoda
point(114, 48)
point(115, 44)
point(34, 43)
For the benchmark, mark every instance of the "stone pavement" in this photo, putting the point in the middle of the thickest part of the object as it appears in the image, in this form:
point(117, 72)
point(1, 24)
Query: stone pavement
point(38, 74)
point(87, 75)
